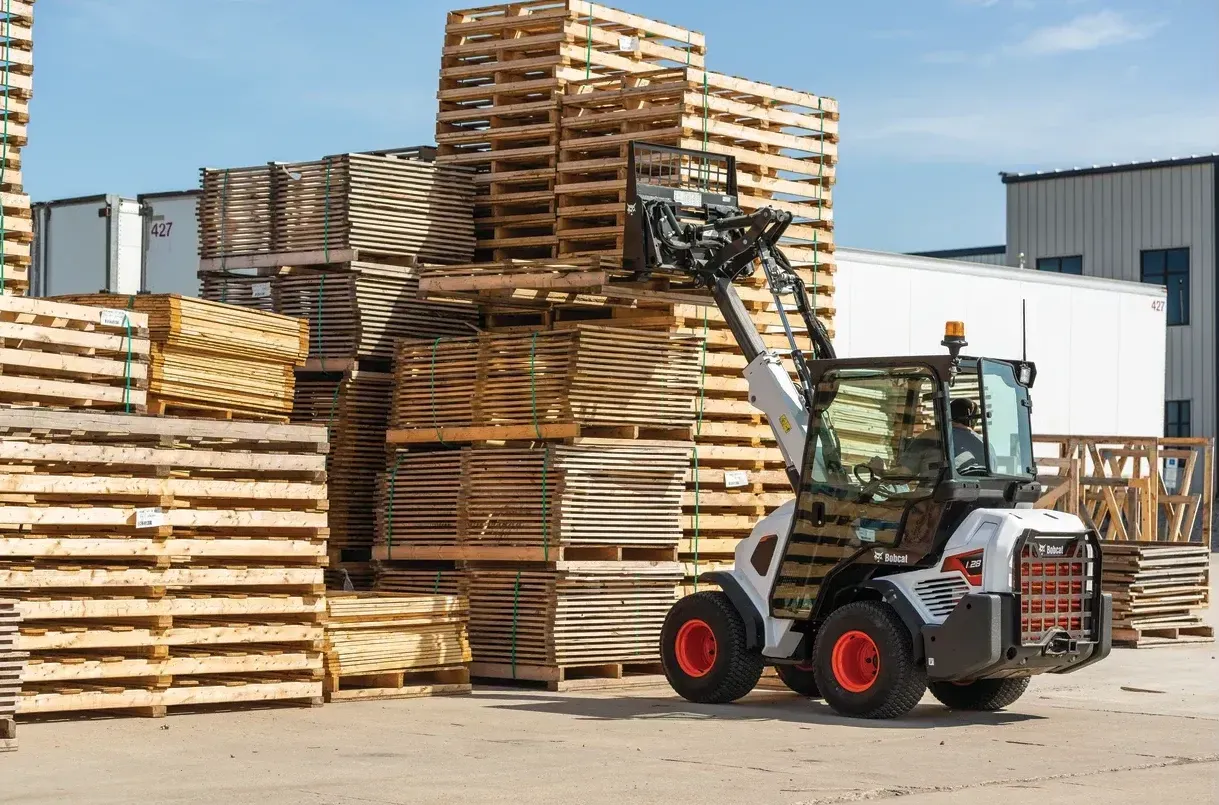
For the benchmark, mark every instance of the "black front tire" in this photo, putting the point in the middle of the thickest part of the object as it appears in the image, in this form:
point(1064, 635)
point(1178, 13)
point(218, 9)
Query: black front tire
point(800, 679)
point(982, 694)
point(897, 682)
point(732, 670)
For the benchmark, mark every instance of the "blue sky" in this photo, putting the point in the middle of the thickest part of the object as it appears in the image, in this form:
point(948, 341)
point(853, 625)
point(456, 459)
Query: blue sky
point(937, 96)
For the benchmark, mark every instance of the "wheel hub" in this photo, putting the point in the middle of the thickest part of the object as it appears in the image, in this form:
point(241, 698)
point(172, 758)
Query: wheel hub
point(855, 661)
point(695, 648)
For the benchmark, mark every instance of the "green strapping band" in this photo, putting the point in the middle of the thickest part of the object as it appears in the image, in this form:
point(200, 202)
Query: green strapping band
point(588, 49)
point(389, 505)
point(334, 404)
point(516, 599)
point(127, 364)
point(432, 393)
point(436, 586)
point(698, 431)
point(533, 384)
point(326, 218)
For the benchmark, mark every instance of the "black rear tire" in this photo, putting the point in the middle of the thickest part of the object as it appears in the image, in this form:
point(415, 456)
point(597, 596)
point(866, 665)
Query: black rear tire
point(981, 694)
point(800, 679)
point(864, 664)
point(703, 649)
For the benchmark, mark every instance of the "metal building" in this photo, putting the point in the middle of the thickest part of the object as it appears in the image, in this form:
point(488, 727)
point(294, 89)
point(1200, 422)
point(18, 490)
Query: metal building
point(1155, 222)
point(987, 255)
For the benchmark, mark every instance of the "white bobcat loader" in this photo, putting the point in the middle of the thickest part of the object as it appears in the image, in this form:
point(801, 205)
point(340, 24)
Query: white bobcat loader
point(911, 556)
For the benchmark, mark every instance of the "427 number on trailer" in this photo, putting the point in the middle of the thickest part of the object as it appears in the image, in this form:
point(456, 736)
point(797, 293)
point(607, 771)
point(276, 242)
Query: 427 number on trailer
point(1157, 305)
point(161, 229)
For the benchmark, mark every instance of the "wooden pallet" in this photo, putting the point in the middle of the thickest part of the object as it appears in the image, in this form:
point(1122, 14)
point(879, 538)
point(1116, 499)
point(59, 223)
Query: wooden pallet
point(379, 204)
point(567, 678)
point(214, 359)
point(379, 645)
point(162, 562)
point(16, 86)
point(503, 72)
point(573, 614)
point(58, 354)
point(1159, 590)
point(354, 407)
point(12, 664)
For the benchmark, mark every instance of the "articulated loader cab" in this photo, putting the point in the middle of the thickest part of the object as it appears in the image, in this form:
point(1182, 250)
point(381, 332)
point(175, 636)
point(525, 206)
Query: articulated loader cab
point(911, 556)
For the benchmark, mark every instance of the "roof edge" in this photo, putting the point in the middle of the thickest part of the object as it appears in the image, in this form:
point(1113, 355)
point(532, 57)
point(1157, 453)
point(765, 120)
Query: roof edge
point(1014, 178)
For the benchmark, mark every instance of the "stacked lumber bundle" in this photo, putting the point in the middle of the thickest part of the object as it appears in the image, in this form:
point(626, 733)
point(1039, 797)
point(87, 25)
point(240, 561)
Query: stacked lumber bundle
point(213, 359)
point(335, 208)
point(555, 384)
point(392, 646)
point(1160, 591)
point(160, 562)
point(419, 578)
point(504, 70)
point(359, 313)
point(17, 86)
point(571, 625)
point(354, 407)
point(784, 141)
point(64, 355)
point(12, 663)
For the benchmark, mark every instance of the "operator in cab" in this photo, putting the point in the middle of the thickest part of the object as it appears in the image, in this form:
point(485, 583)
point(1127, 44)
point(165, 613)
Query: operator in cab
point(922, 453)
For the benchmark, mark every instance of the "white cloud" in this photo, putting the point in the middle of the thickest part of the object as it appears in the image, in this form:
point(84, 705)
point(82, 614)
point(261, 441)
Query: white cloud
point(1086, 32)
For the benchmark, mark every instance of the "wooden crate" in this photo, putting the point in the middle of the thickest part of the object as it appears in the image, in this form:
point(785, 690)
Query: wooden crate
point(354, 407)
point(502, 78)
point(387, 645)
point(213, 359)
point(555, 384)
point(161, 562)
point(58, 354)
point(375, 204)
point(784, 141)
point(529, 623)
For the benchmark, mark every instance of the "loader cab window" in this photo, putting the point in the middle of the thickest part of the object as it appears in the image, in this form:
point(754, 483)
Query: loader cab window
point(874, 451)
point(1008, 430)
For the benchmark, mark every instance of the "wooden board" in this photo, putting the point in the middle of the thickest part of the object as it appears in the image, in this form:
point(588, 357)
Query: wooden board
point(58, 354)
point(210, 356)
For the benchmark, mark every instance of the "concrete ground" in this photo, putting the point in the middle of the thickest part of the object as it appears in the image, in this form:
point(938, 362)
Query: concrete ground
point(1141, 727)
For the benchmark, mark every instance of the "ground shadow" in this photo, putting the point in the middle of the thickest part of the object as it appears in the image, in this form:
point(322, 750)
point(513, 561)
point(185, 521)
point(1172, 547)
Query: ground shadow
point(758, 706)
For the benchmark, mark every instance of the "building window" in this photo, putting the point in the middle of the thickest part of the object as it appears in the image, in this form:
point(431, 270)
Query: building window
point(1170, 268)
point(1062, 265)
point(1176, 418)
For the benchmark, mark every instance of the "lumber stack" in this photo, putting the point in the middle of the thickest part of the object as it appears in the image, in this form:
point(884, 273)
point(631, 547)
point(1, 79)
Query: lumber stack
point(354, 407)
point(162, 562)
point(419, 578)
point(17, 86)
point(1160, 591)
point(12, 663)
point(387, 645)
point(213, 359)
point(504, 69)
point(335, 208)
point(784, 142)
point(62, 355)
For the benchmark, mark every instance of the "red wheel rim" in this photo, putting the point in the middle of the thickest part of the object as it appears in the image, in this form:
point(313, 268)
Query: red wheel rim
point(695, 648)
point(855, 661)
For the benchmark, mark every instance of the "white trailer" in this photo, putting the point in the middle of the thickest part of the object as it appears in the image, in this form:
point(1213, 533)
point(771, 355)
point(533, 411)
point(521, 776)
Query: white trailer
point(85, 245)
point(171, 242)
point(1099, 345)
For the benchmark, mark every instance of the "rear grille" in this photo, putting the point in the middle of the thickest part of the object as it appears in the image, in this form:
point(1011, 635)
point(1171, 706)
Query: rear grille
point(940, 596)
point(1056, 592)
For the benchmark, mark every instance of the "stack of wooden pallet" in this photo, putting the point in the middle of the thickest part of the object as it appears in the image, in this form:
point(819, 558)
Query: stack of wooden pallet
point(12, 663)
point(569, 486)
point(1160, 591)
point(160, 562)
point(64, 355)
point(17, 86)
point(504, 70)
point(213, 359)
point(339, 205)
point(354, 407)
point(388, 645)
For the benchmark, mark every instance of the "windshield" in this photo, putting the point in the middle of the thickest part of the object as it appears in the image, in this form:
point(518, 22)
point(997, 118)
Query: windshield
point(1006, 408)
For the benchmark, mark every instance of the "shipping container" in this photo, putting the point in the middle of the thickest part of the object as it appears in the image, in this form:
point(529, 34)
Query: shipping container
point(85, 245)
point(171, 242)
point(1099, 344)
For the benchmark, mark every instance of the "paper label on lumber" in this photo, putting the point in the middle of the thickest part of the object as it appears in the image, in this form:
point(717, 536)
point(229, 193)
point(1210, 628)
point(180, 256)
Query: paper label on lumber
point(628, 44)
point(736, 478)
point(260, 290)
point(113, 318)
point(150, 518)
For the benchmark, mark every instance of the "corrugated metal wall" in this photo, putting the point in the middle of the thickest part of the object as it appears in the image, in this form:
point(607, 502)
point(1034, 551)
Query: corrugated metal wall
point(1110, 218)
